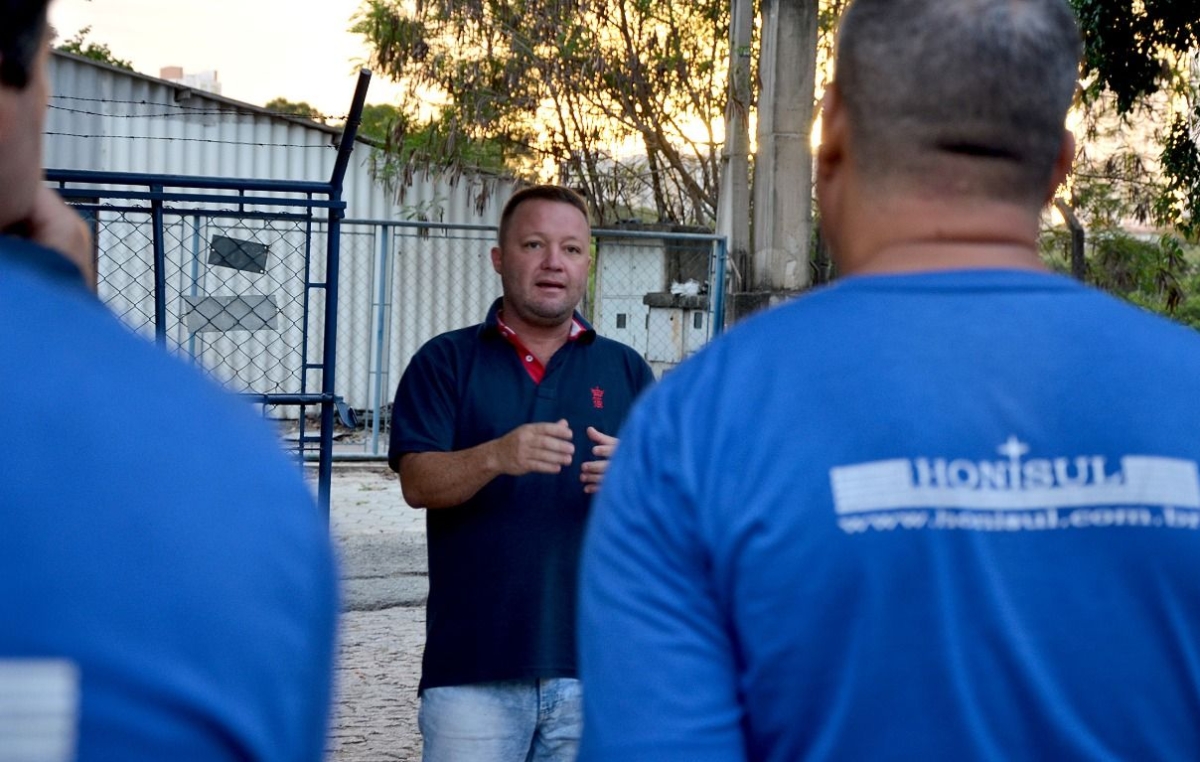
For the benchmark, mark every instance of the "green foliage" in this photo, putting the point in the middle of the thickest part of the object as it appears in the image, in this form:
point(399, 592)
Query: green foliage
point(1156, 274)
point(1134, 51)
point(81, 46)
point(378, 121)
point(1179, 202)
point(1188, 312)
point(430, 144)
point(1139, 102)
point(1142, 271)
point(298, 108)
point(409, 147)
point(567, 91)
point(1132, 48)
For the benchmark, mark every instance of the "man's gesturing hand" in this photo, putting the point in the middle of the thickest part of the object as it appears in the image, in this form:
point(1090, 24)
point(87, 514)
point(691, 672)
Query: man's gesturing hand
point(593, 470)
point(542, 448)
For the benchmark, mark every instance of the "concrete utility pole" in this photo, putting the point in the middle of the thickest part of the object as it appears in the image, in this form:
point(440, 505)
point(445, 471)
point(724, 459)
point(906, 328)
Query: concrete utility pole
point(783, 162)
point(733, 209)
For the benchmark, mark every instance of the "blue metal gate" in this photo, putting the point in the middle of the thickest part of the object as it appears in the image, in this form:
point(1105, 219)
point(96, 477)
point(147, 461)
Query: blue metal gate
point(239, 276)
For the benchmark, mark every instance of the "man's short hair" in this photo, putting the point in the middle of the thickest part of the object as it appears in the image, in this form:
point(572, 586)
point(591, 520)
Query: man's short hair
point(974, 91)
point(22, 24)
point(542, 193)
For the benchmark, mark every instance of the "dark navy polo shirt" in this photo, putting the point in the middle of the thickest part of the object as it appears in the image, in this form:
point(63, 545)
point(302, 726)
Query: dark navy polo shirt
point(503, 565)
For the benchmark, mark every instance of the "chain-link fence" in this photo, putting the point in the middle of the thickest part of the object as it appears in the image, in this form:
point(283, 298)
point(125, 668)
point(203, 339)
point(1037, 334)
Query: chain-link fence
point(238, 299)
point(235, 276)
point(232, 275)
point(403, 283)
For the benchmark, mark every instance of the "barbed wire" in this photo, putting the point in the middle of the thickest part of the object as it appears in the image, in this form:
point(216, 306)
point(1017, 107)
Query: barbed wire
point(170, 115)
point(630, 171)
point(189, 140)
point(185, 110)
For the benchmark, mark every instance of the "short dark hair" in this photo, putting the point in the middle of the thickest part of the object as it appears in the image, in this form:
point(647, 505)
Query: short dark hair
point(543, 193)
point(24, 24)
point(974, 89)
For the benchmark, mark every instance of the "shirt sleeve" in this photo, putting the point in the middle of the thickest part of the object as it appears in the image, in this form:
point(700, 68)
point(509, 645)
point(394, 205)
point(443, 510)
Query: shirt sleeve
point(426, 404)
point(657, 658)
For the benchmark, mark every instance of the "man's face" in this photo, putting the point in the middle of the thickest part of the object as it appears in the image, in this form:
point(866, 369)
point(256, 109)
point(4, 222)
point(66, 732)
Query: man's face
point(543, 262)
point(22, 119)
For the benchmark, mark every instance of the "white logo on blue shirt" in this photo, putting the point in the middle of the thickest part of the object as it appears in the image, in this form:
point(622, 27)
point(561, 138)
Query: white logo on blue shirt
point(1013, 483)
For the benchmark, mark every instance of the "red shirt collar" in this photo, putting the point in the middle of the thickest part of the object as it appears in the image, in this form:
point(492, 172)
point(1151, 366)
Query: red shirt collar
point(533, 366)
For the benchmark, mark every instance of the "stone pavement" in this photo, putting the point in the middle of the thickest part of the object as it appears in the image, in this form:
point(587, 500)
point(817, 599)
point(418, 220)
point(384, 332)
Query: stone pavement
point(381, 542)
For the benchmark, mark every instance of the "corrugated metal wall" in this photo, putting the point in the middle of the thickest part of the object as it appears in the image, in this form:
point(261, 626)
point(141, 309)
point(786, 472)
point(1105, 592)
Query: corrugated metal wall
point(105, 119)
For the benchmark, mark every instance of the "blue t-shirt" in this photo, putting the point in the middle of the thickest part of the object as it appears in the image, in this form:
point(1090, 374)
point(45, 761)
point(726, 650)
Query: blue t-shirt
point(167, 582)
point(503, 566)
point(938, 516)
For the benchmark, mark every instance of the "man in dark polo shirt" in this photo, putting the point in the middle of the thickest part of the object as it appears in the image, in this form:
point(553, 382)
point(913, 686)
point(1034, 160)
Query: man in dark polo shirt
point(503, 431)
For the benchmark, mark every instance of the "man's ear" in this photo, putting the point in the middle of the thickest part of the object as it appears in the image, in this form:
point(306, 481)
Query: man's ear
point(832, 159)
point(1062, 164)
point(832, 150)
point(496, 257)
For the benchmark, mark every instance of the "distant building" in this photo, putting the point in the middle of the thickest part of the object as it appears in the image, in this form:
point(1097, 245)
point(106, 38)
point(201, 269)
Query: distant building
point(200, 80)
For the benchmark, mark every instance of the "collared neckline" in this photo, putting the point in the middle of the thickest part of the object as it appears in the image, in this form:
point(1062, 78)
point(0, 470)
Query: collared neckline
point(580, 331)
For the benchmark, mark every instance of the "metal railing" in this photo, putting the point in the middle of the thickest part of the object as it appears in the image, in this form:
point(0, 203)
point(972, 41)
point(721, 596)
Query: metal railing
point(238, 275)
point(405, 282)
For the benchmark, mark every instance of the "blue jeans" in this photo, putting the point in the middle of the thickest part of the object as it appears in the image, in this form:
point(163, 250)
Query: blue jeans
point(514, 721)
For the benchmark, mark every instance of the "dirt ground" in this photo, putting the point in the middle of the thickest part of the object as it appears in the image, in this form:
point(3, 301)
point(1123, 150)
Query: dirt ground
point(375, 712)
point(381, 543)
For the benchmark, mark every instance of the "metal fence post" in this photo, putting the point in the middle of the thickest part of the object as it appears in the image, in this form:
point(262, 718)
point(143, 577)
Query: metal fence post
point(160, 267)
point(717, 288)
point(336, 214)
point(383, 273)
point(193, 288)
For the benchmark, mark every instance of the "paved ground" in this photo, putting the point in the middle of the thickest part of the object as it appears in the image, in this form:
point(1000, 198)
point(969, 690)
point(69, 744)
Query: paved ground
point(382, 546)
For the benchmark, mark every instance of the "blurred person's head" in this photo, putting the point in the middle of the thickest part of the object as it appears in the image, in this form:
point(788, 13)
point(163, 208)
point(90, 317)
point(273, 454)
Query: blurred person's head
point(943, 131)
point(24, 47)
point(22, 35)
point(962, 96)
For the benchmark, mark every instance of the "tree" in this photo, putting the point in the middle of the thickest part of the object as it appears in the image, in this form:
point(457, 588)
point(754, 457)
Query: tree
point(1136, 158)
point(298, 108)
point(622, 99)
point(1133, 48)
point(403, 138)
point(1134, 51)
point(378, 121)
point(408, 146)
point(81, 46)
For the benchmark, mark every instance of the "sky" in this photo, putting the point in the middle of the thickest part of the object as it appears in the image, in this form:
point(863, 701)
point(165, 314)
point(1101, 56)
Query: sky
point(261, 49)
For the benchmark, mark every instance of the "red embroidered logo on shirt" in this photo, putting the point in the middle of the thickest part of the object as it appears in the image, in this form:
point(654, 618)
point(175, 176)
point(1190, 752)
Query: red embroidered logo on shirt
point(597, 397)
